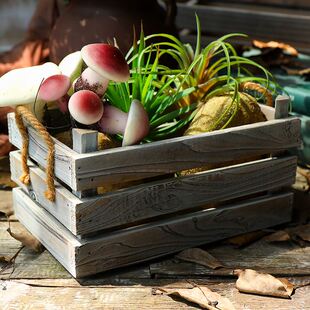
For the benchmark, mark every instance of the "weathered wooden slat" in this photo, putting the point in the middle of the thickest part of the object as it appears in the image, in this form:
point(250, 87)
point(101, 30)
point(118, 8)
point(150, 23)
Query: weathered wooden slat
point(64, 206)
point(140, 161)
point(85, 141)
point(57, 293)
point(279, 258)
point(146, 201)
point(255, 21)
point(144, 242)
point(85, 171)
point(38, 151)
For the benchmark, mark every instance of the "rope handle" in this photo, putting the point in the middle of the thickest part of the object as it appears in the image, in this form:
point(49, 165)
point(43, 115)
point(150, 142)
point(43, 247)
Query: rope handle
point(23, 112)
point(260, 89)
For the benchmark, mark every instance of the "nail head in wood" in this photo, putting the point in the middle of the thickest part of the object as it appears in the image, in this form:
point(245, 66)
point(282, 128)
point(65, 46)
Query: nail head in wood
point(282, 104)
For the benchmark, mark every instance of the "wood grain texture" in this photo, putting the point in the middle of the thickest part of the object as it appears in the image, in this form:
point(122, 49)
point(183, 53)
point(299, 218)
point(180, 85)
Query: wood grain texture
point(85, 141)
point(86, 171)
point(38, 151)
point(140, 161)
point(280, 258)
point(149, 200)
point(137, 244)
point(62, 246)
point(255, 21)
point(64, 206)
point(165, 197)
point(56, 294)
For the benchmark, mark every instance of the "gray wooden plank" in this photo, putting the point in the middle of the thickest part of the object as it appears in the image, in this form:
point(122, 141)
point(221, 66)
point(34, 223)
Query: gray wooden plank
point(166, 197)
point(282, 259)
point(144, 242)
point(38, 151)
point(62, 246)
point(57, 293)
point(255, 21)
point(153, 199)
point(64, 206)
point(141, 161)
point(85, 141)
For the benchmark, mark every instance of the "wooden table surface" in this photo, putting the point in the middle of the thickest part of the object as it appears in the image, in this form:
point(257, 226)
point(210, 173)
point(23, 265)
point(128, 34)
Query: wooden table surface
point(40, 282)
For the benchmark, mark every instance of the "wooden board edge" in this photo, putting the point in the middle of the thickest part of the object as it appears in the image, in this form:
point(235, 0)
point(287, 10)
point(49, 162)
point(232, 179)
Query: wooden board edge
point(46, 229)
point(64, 156)
point(65, 205)
point(169, 196)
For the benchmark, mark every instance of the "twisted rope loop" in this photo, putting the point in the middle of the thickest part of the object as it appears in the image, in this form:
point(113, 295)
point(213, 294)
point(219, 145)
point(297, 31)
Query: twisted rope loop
point(23, 112)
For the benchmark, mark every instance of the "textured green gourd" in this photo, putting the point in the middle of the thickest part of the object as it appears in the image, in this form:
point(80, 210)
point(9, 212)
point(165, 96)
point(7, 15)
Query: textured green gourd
point(216, 112)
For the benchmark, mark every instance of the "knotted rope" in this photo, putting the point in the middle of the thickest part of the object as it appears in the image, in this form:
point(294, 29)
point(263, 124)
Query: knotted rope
point(23, 112)
point(260, 89)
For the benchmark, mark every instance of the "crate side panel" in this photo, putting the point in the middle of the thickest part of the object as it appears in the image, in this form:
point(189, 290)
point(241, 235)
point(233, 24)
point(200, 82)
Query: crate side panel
point(152, 159)
point(165, 197)
point(162, 238)
point(46, 229)
point(64, 206)
point(178, 194)
point(38, 151)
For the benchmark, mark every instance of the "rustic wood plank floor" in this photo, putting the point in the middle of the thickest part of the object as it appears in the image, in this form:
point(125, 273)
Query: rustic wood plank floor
point(40, 282)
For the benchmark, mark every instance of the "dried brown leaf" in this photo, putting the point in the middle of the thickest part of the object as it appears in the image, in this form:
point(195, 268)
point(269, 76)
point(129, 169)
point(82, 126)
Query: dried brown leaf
point(278, 236)
point(273, 44)
point(27, 239)
point(201, 257)
point(246, 239)
point(5, 259)
point(253, 282)
point(202, 296)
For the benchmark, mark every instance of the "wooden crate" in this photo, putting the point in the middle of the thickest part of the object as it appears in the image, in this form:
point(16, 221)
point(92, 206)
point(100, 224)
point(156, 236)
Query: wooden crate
point(141, 222)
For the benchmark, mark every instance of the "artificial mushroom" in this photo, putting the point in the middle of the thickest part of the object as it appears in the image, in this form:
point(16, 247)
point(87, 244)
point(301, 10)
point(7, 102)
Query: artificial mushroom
point(85, 107)
point(55, 88)
point(134, 125)
point(20, 86)
point(71, 66)
point(107, 60)
point(93, 81)
point(113, 120)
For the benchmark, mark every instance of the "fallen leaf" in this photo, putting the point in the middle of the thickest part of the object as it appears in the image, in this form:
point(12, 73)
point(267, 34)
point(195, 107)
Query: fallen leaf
point(5, 259)
point(302, 231)
point(278, 236)
point(202, 296)
point(273, 44)
point(253, 282)
point(6, 203)
point(246, 239)
point(201, 257)
point(27, 240)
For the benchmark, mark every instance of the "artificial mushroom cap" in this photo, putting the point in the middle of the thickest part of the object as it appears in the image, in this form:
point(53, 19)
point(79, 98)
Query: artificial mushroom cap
point(113, 120)
point(107, 60)
point(85, 107)
point(20, 86)
point(54, 87)
point(137, 126)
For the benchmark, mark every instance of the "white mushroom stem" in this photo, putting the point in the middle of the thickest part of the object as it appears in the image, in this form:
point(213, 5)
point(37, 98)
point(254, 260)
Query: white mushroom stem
point(113, 120)
point(93, 81)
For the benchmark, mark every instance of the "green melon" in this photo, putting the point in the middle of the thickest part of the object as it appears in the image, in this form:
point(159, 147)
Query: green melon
point(216, 112)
